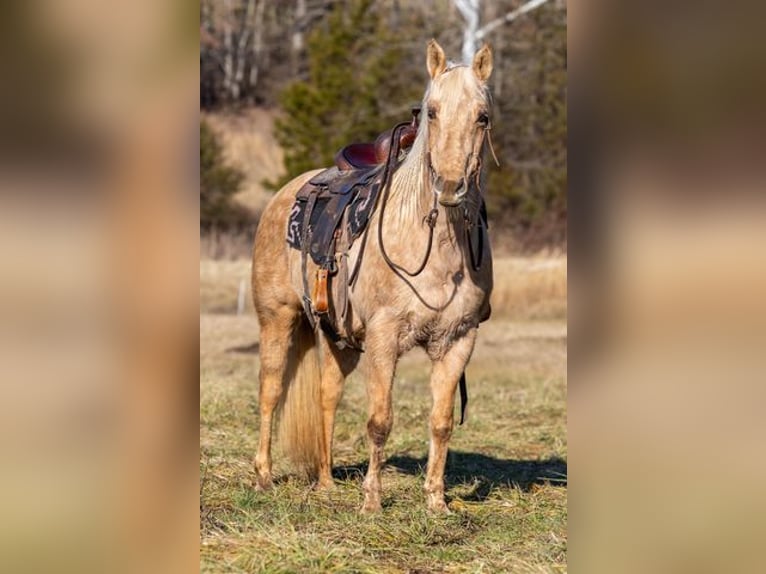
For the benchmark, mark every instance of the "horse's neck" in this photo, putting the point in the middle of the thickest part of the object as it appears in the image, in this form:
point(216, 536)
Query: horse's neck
point(409, 206)
point(411, 198)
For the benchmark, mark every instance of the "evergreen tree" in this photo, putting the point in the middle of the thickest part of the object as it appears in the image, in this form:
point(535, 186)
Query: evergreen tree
point(357, 87)
point(218, 182)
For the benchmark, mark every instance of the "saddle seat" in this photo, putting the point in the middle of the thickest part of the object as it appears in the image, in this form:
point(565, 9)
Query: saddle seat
point(371, 154)
point(356, 156)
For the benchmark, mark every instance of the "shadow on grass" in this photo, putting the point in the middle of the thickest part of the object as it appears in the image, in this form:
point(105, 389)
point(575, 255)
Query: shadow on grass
point(480, 471)
point(251, 349)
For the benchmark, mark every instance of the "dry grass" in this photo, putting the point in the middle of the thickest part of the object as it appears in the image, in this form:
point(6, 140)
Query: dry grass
point(506, 473)
point(530, 287)
point(526, 288)
point(228, 245)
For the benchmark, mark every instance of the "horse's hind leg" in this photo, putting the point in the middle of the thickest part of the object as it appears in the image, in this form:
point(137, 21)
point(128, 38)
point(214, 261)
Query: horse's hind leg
point(444, 380)
point(276, 337)
point(336, 366)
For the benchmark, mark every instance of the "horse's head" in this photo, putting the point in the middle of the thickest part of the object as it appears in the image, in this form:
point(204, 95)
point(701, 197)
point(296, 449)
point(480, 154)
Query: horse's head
point(457, 112)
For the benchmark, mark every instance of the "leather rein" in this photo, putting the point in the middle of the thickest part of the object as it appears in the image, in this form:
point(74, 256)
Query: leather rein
point(433, 214)
point(430, 220)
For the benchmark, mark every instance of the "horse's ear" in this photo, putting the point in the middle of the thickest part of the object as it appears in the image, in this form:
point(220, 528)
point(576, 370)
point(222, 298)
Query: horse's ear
point(482, 63)
point(435, 59)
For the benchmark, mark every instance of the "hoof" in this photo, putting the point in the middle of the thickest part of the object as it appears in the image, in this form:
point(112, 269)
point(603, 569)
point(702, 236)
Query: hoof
point(439, 509)
point(438, 506)
point(371, 505)
point(262, 484)
point(326, 485)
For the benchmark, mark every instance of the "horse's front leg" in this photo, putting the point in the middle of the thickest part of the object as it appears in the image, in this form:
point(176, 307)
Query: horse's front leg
point(444, 380)
point(381, 356)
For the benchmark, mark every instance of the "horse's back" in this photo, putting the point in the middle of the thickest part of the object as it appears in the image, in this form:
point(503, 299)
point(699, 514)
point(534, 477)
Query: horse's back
point(270, 279)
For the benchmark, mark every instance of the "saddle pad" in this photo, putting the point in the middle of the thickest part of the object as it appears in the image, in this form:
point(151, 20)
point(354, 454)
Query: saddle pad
point(323, 221)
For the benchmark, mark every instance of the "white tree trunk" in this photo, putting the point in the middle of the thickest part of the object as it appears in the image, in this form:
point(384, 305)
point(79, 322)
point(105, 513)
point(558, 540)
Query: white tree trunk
point(472, 34)
point(509, 17)
point(300, 15)
point(470, 10)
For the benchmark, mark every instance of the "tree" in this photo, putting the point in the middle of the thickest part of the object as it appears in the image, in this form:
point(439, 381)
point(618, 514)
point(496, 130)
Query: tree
point(243, 54)
point(218, 182)
point(231, 49)
point(356, 87)
point(473, 34)
point(529, 191)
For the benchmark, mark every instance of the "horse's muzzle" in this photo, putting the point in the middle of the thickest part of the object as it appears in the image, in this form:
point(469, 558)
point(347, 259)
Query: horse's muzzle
point(450, 193)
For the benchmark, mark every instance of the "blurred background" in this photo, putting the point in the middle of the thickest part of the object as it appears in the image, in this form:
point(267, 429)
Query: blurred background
point(98, 286)
point(285, 84)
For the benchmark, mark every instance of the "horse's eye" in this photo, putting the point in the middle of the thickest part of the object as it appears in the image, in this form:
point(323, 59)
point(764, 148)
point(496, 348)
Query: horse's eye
point(431, 114)
point(483, 119)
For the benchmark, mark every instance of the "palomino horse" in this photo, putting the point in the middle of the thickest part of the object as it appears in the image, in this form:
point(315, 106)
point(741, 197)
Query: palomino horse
point(393, 308)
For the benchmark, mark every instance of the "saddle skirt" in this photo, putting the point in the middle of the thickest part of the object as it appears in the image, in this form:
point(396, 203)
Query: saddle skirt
point(337, 193)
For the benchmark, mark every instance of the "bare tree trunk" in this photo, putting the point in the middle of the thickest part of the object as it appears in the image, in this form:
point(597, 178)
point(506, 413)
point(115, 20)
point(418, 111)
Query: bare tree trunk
point(396, 12)
point(300, 15)
point(239, 73)
point(297, 37)
point(498, 45)
point(257, 43)
point(228, 56)
point(508, 18)
point(472, 34)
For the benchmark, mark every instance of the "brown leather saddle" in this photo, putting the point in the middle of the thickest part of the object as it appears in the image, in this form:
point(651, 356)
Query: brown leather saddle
point(331, 211)
point(368, 155)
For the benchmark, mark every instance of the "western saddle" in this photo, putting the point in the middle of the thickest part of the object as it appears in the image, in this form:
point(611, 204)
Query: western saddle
point(372, 154)
point(331, 211)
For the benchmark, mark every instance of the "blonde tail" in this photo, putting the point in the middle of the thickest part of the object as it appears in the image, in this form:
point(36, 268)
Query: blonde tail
point(300, 411)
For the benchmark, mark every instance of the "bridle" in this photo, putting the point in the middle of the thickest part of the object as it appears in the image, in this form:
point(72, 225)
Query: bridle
point(473, 159)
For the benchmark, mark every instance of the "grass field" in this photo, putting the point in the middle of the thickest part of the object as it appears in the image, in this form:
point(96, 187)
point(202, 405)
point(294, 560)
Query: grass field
point(506, 473)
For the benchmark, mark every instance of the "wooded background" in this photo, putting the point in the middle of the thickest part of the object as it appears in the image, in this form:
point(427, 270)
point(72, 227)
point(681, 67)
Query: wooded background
point(338, 71)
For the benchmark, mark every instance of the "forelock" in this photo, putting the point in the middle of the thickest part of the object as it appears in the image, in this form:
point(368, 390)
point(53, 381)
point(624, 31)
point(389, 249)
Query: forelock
point(455, 84)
